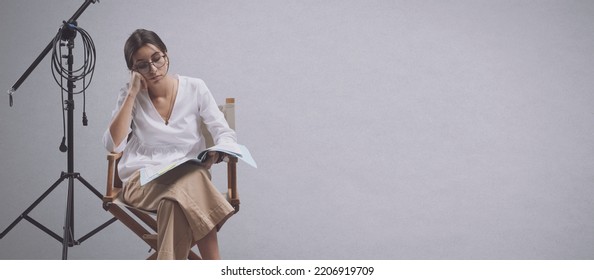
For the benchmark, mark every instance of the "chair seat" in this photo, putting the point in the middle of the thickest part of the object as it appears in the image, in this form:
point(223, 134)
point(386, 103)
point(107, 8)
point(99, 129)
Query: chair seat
point(120, 202)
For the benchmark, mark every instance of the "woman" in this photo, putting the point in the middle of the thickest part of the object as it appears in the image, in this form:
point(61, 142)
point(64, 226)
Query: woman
point(156, 121)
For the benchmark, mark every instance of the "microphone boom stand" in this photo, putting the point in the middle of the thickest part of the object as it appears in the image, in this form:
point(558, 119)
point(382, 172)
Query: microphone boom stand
point(67, 239)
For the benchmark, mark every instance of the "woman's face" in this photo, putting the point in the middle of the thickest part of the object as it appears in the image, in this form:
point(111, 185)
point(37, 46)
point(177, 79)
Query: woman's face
point(151, 62)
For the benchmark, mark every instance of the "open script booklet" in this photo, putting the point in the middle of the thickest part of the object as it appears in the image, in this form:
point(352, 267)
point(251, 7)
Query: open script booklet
point(148, 174)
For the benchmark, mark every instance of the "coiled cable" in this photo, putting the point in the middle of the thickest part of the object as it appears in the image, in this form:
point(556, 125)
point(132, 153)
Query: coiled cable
point(61, 71)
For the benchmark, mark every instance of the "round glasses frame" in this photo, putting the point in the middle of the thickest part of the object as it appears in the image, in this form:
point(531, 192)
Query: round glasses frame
point(145, 66)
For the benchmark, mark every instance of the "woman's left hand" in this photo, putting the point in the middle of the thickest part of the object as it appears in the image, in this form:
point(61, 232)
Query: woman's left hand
point(213, 158)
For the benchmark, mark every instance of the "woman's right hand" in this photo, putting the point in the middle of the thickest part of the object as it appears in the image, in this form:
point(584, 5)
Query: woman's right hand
point(121, 122)
point(137, 83)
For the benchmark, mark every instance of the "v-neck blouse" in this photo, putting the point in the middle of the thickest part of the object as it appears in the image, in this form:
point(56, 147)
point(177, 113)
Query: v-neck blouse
point(153, 143)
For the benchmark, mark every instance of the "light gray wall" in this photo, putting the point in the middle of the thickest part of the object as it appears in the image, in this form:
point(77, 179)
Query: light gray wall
point(382, 129)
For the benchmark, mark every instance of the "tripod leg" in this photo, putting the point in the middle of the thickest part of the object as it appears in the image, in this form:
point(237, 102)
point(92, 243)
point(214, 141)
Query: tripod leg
point(68, 239)
point(98, 194)
point(30, 208)
point(89, 186)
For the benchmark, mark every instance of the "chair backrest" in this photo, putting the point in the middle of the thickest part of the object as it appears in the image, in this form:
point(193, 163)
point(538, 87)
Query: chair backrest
point(228, 110)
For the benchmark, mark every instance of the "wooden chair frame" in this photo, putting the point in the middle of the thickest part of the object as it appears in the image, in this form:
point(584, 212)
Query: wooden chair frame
point(113, 204)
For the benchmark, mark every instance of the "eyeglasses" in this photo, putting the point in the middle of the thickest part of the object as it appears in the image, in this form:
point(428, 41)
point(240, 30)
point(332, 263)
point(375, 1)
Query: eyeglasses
point(144, 67)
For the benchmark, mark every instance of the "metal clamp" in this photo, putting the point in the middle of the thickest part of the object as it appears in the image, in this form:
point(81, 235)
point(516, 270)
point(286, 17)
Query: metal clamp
point(10, 93)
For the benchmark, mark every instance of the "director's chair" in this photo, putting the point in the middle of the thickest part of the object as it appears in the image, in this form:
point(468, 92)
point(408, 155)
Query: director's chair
point(134, 218)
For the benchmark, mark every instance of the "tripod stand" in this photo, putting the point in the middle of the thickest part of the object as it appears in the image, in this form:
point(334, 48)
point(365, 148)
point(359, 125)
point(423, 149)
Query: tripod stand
point(67, 239)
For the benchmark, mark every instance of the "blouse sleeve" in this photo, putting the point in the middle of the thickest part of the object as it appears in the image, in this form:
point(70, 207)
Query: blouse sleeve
point(108, 142)
point(213, 118)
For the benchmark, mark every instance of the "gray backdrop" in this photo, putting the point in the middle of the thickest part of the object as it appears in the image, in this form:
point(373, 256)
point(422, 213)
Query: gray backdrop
point(382, 129)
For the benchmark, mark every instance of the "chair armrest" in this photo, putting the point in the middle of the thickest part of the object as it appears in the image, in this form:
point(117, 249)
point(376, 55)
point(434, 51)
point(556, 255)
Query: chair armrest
point(114, 156)
point(111, 198)
point(232, 194)
point(111, 173)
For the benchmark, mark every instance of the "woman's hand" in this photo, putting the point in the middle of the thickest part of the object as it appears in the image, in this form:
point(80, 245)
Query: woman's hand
point(121, 122)
point(212, 158)
point(137, 83)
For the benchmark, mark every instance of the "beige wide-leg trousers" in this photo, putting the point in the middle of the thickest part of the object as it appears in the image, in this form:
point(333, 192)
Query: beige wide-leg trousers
point(188, 207)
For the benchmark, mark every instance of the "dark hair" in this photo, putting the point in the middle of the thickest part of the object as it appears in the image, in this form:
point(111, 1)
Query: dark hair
point(137, 40)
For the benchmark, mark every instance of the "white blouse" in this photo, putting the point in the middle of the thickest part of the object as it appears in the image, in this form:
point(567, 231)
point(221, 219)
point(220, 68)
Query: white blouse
point(153, 143)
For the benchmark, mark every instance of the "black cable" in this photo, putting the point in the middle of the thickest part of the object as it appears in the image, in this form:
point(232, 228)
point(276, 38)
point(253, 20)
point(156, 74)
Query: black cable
point(63, 148)
point(68, 32)
point(89, 56)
